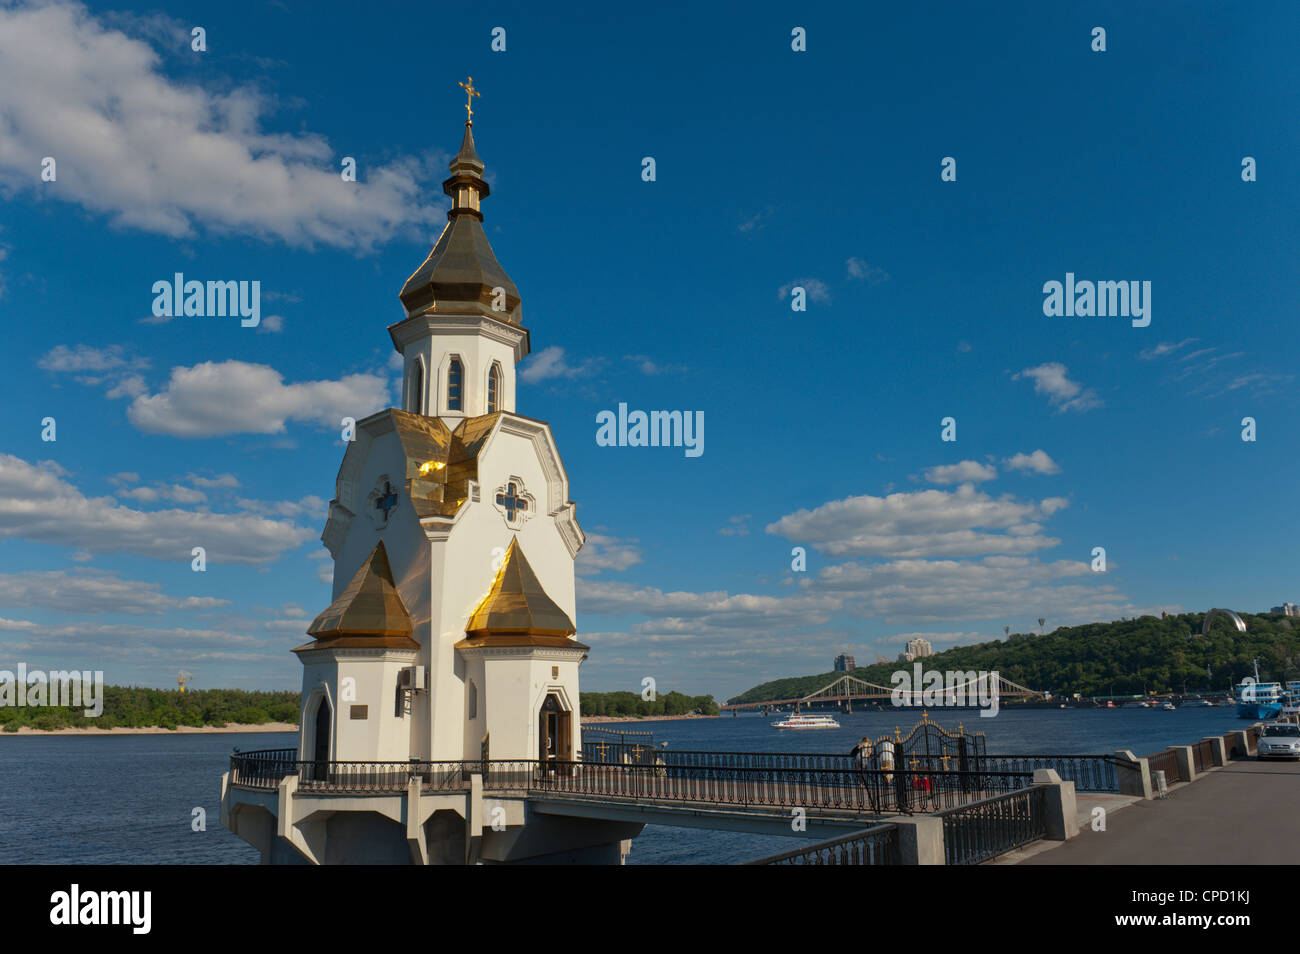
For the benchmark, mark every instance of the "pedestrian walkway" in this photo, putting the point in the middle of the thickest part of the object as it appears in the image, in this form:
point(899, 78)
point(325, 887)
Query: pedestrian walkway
point(1246, 812)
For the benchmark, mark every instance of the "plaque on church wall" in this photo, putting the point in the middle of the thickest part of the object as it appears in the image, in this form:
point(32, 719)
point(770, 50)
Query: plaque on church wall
point(360, 712)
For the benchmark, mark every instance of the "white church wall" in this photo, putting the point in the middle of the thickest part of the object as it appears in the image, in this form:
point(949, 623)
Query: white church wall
point(408, 555)
point(361, 685)
point(476, 354)
point(463, 572)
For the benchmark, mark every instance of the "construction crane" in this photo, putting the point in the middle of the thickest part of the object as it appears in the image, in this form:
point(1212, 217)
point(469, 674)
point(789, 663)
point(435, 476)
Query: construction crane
point(182, 679)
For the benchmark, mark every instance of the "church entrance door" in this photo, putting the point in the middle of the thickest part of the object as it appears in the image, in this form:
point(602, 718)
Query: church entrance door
point(555, 734)
point(321, 742)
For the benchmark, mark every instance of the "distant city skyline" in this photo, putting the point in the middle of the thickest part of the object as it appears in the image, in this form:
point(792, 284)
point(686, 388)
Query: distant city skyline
point(1097, 468)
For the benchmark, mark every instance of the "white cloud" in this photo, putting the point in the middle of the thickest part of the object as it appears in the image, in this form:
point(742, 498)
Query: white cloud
point(1038, 462)
point(233, 397)
point(83, 358)
point(858, 270)
point(1164, 348)
point(39, 505)
point(174, 492)
point(550, 363)
point(685, 612)
point(998, 587)
point(602, 552)
point(271, 325)
point(928, 523)
point(220, 481)
point(967, 471)
point(648, 366)
point(93, 591)
point(162, 155)
point(738, 526)
point(1053, 380)
point(817, 289)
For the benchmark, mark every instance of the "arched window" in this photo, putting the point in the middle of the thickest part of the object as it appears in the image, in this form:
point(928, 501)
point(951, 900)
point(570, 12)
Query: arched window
point(455, 376)
point(416, 402)
point(494, 389)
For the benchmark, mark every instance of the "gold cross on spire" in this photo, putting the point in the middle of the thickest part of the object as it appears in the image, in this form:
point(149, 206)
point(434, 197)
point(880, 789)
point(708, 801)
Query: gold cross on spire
point(470, 93)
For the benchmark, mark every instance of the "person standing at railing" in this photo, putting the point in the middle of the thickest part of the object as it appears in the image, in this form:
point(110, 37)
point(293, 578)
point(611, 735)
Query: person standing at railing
point(886, 759)
point(863, 752)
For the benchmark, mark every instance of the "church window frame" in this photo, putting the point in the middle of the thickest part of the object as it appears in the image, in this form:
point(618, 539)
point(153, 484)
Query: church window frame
point(515, 504)
point(455, 395)
point(415, 402)
point(494, 388)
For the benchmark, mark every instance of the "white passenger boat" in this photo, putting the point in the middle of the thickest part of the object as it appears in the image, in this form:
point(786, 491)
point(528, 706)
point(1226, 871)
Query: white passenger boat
point(807, 722)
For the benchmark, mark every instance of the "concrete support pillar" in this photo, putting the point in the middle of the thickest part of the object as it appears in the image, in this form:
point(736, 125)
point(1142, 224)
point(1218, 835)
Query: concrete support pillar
point(1237, 743)
point(1062, 821)
point(1186, 766)
point(1133, 780)
point(1217, 753)
point(474, 820)
point(920, 840)
point(415, 840)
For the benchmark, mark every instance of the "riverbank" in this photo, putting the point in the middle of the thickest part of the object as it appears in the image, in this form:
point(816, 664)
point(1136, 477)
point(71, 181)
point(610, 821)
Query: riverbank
point(661, 718)
point(233, 727)
point(229, 727)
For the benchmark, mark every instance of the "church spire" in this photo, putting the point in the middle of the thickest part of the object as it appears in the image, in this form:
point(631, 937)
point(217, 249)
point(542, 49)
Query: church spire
point(462, 270)
point(466, 185)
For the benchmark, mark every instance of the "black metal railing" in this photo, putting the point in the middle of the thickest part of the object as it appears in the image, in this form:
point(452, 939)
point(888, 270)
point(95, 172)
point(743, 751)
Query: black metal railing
point(857, 791)
point(871, 846)
point(983, 830)
point(1089, 773)
point(263, 768)
point(830, 782)
point(1167, 762)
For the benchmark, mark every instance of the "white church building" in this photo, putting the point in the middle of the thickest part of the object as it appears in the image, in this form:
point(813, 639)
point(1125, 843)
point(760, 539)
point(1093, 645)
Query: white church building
point(451, 635)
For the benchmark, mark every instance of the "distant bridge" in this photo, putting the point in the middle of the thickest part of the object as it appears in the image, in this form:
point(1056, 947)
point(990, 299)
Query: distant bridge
point(847, 689)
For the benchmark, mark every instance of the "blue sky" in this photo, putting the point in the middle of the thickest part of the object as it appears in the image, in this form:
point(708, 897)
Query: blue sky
point(774, 168)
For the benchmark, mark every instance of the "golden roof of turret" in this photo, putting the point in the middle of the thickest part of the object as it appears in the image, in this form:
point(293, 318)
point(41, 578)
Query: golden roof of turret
point(518, 606)
point(369, 608)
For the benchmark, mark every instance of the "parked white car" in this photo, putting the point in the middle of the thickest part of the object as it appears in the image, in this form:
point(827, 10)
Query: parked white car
point(1279, 740)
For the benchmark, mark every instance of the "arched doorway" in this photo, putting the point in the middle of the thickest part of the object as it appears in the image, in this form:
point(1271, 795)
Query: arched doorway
point(555, 733)
point(321, 741)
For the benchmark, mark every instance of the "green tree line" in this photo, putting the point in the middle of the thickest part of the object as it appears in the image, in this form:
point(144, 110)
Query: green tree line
point(631, 704)
point(1125, 657)
point(136, 708)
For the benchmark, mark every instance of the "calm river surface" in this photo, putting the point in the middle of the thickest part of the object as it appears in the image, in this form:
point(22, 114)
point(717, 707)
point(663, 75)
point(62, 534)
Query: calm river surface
point(129, 799)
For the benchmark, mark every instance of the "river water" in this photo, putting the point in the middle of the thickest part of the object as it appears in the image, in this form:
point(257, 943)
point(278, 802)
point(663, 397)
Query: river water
point(130, 799)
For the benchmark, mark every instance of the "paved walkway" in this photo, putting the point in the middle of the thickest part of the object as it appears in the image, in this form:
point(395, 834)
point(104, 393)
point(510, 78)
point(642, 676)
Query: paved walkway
point(1246, 812)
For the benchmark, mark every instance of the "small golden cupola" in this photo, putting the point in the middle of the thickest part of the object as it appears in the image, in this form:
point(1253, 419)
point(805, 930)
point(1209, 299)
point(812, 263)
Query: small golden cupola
point(517, 611)
point(368, 614)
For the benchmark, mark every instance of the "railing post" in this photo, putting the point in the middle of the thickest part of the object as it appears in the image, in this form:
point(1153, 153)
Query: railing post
point(1217, 753)
point(1062, 805)
point(1133, 779)
point(1186, 764)
point(920, 840)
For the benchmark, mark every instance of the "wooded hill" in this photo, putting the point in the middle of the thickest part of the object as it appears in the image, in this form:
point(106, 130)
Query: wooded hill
point(1124, 657)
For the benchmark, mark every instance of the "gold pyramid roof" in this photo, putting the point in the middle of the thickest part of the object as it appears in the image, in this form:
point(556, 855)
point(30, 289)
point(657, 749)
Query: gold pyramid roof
point(370, 606)
point(517, 605)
